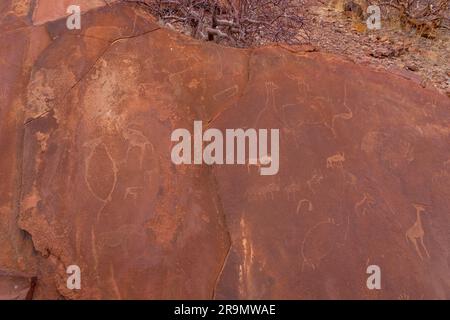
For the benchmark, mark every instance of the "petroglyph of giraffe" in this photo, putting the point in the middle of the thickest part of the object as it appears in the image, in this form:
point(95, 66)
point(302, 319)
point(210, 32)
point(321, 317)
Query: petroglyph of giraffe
point(416, 232)
point(270, 100)
point(404, 296)
point(336, 161)
point(344, 115)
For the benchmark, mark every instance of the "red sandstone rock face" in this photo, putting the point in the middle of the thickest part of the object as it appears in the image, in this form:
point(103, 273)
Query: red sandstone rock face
point(87, 177)
point(20, 46)
point(50, 10)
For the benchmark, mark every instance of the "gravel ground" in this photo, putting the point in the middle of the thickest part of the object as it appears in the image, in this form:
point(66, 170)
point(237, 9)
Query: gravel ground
point(403, 52)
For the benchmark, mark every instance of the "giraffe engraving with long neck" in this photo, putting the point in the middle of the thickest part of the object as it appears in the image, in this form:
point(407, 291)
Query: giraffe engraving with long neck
point(271, 88)
point(416, 232)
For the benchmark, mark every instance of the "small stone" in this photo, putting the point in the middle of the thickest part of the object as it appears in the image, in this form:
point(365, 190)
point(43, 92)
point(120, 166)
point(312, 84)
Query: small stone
point(412, 67)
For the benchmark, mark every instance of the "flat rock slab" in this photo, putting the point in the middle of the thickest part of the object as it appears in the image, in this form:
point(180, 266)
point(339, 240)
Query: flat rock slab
point(363, 180)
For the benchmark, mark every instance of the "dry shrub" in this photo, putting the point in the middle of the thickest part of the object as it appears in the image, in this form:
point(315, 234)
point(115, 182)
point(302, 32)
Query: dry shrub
point(423, 15)
point(237, 23)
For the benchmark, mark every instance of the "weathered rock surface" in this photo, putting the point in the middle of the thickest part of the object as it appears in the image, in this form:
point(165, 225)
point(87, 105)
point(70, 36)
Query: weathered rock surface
point(20, 46)
point(87, 179)
point(50, 10)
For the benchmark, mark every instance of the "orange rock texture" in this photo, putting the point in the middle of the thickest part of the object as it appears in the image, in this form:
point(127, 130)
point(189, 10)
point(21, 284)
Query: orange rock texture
point(86, 176)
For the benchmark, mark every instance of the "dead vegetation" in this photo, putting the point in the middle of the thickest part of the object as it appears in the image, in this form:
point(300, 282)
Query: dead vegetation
point(237, 23)
point(425, 16)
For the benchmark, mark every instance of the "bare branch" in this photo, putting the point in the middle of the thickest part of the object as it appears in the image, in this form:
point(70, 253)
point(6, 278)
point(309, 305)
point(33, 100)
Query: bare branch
point(239, 23)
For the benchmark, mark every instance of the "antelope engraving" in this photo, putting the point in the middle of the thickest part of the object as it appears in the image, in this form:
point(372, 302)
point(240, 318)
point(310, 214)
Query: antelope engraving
point(263, 192)
point(336, 161)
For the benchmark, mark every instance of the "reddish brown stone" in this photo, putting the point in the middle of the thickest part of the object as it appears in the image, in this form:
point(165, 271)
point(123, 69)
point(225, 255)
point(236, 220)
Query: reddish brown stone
point(362, 152)
point(50, 10)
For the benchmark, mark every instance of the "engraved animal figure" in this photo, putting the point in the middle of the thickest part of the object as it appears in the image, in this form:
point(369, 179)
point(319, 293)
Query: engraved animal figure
point(314, 181)
point(336, 161)
point(416, 233)
point(261, 192)
point(344, 115)
point(366, 203)
point(292, 190)
point(404, 296)
point(270, 100)
point(270, 189)
point(301, 202)
point(137, 139)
